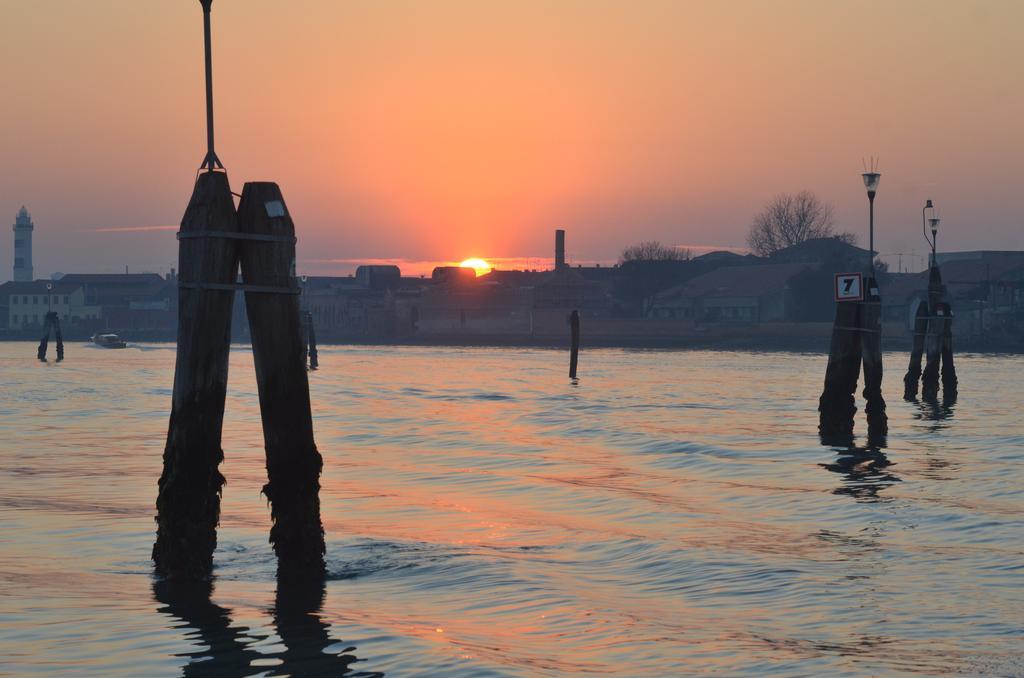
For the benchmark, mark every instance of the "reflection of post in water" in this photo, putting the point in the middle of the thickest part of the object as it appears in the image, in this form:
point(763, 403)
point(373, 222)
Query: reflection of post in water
point(913, 375)
point(863, 471)
point(304, 633)
point(936, 410)
point(227, 649)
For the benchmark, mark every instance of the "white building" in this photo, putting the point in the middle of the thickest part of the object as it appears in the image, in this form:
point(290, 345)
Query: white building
point(23, 228)
point(27, 303)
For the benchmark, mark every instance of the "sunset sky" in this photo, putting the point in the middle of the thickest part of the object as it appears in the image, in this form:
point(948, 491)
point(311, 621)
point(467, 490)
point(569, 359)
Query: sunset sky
point(440, 130)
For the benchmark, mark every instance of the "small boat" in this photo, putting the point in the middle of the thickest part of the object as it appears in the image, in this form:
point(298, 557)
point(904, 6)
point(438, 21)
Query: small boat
point(108, 341)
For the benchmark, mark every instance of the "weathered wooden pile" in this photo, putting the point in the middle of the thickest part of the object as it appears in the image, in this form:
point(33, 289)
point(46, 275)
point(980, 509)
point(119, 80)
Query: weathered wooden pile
point(215, 241)
point(856, 341)
point(51, 322)
point(574, 345)
point(933, 338)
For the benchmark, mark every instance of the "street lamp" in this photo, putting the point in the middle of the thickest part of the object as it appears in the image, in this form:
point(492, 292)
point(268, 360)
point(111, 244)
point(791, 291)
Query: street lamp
point(929, 218)
point(871, 180)
point(49, 297)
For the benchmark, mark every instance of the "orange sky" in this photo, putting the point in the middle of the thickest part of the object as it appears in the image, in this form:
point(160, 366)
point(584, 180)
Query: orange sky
point(444, 129)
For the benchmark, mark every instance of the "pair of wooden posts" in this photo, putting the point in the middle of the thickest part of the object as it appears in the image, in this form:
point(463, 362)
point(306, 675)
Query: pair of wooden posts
point(214, 241)
point(52, 320)
point(933, 337)
point(856, 340)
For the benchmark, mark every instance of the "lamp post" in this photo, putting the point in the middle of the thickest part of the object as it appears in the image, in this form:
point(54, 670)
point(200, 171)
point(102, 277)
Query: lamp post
point(929, 218)
point(871, 183)
point(49, 297)
point(924, 219)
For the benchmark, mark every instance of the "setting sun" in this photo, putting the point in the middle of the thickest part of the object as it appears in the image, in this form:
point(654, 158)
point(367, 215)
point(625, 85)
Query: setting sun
point(479, 265)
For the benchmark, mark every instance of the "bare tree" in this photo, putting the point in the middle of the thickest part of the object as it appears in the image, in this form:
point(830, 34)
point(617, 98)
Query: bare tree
point(652, 250)
point(791, 219)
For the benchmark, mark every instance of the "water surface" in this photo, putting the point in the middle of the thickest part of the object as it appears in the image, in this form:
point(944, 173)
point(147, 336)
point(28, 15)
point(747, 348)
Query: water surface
point(672, 513)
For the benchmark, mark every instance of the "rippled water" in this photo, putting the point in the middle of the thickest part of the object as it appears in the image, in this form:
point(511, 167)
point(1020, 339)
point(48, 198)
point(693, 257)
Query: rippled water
point(672, 513)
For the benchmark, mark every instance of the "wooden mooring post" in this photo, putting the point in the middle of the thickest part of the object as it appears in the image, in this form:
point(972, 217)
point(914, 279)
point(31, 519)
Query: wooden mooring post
point(51, 321)
point(272, 304)
point(950, 383)
point(314, 356)
point(871, 351)
point(913, 375)
point(856, 341)
point(837, 404)
point(574, 349)
point(933, 336)
point(188, 503)
point(939, 342)
point(214, 239)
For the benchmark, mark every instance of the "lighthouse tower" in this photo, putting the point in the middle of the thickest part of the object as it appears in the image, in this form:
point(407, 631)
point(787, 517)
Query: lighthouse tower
point(23, 228)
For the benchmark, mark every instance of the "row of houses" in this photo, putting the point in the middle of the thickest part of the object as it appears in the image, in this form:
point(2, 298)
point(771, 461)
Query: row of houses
point(92, 301)
point(634, 299)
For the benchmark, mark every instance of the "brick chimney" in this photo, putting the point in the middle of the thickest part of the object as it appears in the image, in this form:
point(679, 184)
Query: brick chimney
point(559, 249)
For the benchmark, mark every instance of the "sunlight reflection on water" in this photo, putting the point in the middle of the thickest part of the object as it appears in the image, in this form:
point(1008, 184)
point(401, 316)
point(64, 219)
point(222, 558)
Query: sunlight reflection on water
point(671, 513)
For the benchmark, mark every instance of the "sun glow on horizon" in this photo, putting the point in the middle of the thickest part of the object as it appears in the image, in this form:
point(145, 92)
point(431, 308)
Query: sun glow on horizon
point(479, 265)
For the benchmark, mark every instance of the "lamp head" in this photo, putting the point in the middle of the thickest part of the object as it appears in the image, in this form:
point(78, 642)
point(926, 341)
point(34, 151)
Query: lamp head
point(871, 181)
point(928, 204)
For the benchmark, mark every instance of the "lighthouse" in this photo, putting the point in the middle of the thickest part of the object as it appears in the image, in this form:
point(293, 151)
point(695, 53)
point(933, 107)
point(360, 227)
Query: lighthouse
point(23, 228)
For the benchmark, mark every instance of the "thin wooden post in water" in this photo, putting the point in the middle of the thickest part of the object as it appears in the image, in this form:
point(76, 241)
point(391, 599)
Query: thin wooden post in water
point(272, 304)
point(949, 380)
point(188, 504)
point(913, 375)
point(314, 357)
point(574, 350)
point(837, 406)
point(59, 338)
point(871, 350)
point(933, 338)
point(45, 341)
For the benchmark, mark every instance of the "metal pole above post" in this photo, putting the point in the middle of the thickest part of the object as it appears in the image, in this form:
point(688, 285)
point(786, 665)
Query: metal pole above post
point(871, 233)
point(871, 183)
point(211, 162)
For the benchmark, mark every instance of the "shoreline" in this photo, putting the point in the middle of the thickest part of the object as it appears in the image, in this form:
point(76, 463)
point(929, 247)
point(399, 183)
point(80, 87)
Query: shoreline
point(750, 342)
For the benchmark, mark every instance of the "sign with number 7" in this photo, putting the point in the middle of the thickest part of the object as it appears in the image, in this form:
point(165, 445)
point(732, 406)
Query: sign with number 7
point(849, 287)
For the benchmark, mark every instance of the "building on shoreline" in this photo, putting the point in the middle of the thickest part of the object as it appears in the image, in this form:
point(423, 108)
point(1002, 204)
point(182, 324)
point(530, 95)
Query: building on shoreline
point(733, 294)
point(25, 304)
point(86, 302)
point(131, 301)
point(986, 291)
